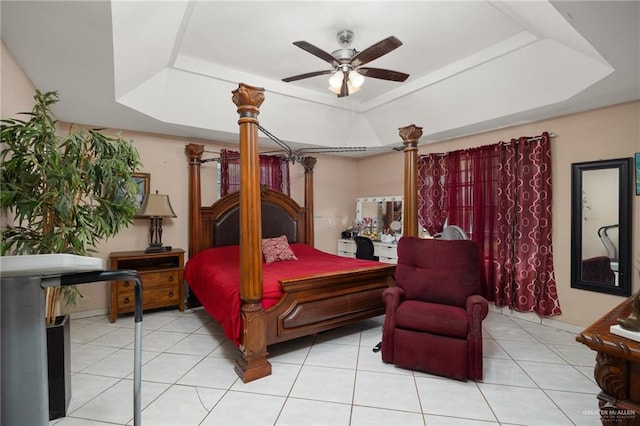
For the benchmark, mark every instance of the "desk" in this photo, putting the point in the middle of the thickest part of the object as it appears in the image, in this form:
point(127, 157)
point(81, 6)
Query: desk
point(386, 252)
point(617, 369)
point(24, 381)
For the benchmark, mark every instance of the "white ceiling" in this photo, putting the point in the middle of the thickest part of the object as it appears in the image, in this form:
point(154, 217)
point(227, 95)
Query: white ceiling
point(170, 66)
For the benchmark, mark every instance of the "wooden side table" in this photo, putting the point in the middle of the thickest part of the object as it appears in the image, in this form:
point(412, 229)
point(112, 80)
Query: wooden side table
point(617, 369)
point(162, 276)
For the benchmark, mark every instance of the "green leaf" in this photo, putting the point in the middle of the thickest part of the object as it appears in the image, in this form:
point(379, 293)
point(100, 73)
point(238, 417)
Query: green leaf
point(63, 192)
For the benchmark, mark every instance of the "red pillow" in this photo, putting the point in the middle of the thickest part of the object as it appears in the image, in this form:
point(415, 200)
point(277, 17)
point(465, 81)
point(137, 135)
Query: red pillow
point(277, 249)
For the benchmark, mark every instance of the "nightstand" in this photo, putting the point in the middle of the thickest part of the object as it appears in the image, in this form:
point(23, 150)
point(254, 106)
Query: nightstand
point(162, 280)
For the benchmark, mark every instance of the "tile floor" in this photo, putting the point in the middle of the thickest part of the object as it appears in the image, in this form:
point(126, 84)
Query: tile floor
point(533, 375)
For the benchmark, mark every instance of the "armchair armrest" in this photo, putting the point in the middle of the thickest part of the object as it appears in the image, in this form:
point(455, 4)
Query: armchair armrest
point(392, 297)
point(477, 308)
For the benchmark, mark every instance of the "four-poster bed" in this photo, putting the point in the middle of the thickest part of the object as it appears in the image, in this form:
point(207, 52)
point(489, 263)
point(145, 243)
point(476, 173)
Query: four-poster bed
point(234, 228)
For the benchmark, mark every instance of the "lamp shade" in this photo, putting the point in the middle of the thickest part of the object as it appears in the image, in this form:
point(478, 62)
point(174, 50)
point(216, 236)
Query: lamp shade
point(335, 81)
point(156, 205)
point(356, 79)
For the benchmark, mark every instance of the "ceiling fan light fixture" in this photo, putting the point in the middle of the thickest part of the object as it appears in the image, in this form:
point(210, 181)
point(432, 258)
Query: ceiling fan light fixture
point(351, 89)
point(335, 81)
point(354, 82)
point(356, 79)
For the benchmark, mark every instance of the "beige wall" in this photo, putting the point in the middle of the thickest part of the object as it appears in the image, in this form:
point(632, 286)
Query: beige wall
point(601, 134)
point(16, 90)
point(163, 157)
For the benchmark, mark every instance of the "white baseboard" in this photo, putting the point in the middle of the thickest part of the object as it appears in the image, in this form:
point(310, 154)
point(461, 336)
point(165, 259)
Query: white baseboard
point(88, 314)
point(535, 318)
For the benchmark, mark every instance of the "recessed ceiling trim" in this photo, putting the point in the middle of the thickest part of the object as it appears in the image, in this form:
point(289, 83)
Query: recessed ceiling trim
point(495, 51)
point(230, 75)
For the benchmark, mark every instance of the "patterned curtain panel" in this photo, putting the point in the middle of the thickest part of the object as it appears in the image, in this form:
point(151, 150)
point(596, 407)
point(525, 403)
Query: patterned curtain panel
point(274, 172)
point(525, 279)
point(431, 196)
point(481, 190)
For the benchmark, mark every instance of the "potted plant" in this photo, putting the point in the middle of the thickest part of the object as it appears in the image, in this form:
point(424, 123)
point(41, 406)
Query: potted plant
point(62, 192)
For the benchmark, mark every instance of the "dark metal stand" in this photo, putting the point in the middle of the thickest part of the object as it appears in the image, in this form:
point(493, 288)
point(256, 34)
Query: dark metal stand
point(24, 383)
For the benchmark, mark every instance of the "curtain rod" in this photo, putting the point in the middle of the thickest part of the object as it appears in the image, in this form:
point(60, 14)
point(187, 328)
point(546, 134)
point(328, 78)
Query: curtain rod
point(533, 139)
point(537, 138)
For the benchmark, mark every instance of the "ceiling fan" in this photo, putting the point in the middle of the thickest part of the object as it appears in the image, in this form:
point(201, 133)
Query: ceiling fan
point(348, 72)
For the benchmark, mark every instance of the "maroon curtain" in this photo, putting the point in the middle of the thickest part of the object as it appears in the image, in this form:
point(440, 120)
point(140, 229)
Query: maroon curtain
point(480, 190)
point(431, 196)
point(471, 201)
point(274, 172)
point(458, 188)
point(229, 172)
point(525, 278)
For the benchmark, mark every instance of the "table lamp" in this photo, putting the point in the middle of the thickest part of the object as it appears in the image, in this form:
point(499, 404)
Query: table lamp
point(155, 207)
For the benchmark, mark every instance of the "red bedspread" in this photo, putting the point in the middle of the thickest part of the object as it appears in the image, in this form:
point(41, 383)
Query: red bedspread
point(214, 277)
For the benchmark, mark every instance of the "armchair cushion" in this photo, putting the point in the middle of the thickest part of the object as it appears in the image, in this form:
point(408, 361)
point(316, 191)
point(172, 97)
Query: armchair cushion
point(444, 320)
point(436, 276)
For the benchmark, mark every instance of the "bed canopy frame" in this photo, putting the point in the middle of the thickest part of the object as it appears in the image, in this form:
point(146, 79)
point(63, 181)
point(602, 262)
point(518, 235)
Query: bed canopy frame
point(252, 361)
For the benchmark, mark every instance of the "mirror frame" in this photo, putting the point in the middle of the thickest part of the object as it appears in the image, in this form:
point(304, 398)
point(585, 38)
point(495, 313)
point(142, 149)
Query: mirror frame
point(388, 198)
point(624, 167)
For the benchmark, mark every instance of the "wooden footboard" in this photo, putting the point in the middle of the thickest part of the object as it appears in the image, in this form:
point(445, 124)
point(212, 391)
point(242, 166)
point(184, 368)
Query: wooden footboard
point(322, 302)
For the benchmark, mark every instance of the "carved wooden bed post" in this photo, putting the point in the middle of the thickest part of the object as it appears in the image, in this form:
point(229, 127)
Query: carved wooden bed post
point(194, 154)
point(252, 361)
point(308, 163)
point(410, 135)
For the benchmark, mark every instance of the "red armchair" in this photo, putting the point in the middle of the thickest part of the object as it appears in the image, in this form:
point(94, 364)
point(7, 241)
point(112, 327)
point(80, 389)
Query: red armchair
point(434, 315)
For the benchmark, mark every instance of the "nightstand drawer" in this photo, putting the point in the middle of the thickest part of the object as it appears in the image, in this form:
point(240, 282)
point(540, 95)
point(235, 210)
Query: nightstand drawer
point(154, 298)
point(160, 278)
point(151, 280)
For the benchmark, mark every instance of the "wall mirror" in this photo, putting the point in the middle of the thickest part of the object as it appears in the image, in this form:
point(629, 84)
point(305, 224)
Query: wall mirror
point(383, 209)
point(601, 226)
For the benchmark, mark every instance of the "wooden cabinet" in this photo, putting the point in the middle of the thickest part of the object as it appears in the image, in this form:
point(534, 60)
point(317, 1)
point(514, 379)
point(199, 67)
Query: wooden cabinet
point(386, 252)
point(162, 280)
point(617, 369)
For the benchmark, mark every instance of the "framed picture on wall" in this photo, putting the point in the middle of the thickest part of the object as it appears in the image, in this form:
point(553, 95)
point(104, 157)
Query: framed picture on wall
point(143, 181)
point(637, 174)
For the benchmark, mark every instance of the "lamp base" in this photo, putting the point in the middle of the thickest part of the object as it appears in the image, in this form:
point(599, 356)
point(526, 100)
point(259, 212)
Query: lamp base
point(157, 249)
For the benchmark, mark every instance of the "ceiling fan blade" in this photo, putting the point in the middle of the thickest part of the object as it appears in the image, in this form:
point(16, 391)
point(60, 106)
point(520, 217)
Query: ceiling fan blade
point(316, 51)
point(344, 89)
point(307, 75)
point(383, 74)
point(374, 52)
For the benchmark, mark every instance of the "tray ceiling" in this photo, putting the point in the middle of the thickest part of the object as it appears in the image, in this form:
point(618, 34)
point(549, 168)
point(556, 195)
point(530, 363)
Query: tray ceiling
point(169, 67)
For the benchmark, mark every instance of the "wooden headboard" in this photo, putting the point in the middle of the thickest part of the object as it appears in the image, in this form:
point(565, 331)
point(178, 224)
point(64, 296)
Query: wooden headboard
point(219, 224)
point(281, 215)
